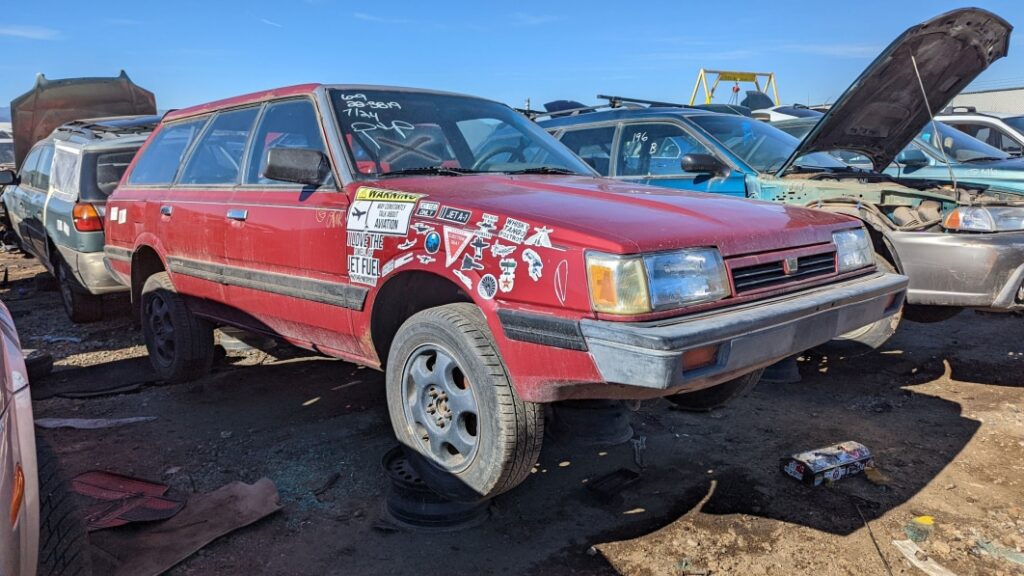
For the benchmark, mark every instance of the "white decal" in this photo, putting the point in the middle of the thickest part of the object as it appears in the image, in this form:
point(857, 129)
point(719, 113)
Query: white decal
point(535, 266)
point(499, 250)
point(407, 244)
point(122, 216)
point(427, 209)
point(363, 269)
point(487, 287)
point(365, 243)
point(540, 237)
point(381, 217)
point(514, 230)
point(507, 280)
point(396, 263)
point(455, 241)
point(468, 263)
point(561, 281)
point(424, 259)
point(478, 246)
point(113, 214)
point(422, 228)
point(485, 227)
point(465, 279)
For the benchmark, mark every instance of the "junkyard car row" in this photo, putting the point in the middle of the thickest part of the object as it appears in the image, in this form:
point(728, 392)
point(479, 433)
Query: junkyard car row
point(490, 263)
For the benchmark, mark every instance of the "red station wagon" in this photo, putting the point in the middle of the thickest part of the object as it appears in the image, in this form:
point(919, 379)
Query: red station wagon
point(452, 243)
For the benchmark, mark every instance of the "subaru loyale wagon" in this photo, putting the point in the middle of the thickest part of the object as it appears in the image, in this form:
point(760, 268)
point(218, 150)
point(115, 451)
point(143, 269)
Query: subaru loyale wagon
point(388, 227)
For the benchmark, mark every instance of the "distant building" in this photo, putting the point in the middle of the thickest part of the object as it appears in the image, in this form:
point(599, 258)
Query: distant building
point(1004, 100)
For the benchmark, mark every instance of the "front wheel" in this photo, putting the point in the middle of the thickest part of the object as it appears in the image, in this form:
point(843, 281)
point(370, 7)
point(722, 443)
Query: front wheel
point(716, 396)
point(180, 344)
point(453, 408)
point(877, 333)
point(79, 304)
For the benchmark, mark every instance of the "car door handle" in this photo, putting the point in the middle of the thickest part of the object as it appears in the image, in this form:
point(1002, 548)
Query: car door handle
point(166, 210)
point(238, 214)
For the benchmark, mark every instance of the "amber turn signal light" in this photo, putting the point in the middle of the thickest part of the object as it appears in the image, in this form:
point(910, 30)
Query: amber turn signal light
point(17, 493)
point(700, 357)
point(87, 218)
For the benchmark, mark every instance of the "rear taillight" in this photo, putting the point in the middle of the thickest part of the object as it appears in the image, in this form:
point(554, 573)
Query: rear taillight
point(87, 218)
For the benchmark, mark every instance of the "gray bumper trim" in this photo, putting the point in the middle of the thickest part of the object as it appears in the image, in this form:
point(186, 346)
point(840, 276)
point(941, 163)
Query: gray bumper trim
point(650, 354)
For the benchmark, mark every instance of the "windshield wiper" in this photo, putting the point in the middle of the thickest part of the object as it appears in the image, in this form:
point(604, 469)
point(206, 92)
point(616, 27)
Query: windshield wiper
point(430, 171)
point(983, 159)
point(543, 170)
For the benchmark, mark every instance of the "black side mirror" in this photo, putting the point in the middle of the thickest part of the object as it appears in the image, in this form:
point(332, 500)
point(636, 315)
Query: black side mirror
point(8, 178)
point(299, 165)
point(913, 158)
point(702, 164)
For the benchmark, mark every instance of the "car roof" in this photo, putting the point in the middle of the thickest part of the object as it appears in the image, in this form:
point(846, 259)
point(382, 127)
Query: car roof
point(107, 132)
point(622, 114)
point(286, 91)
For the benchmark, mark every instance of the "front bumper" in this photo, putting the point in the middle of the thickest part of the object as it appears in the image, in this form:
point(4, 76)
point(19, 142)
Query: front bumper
point(651, 354)
point(91, 271)
point(983, 271)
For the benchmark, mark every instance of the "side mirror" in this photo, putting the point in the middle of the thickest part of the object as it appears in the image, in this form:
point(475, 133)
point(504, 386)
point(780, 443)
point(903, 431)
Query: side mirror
point(913, 158)
point(702, 164)
point(299, 165)
point(8, 178)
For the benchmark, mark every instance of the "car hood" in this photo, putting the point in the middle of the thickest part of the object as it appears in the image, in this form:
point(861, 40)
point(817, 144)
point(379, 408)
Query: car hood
point(51, 103)
point(617, 216)
point(884, 109)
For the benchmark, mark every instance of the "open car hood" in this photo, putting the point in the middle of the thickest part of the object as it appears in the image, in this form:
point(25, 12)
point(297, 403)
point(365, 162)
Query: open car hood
point(51, 103)
point(883, 110)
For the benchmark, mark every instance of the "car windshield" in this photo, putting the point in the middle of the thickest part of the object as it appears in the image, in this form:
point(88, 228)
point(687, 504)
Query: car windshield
point(958, 146)
point(6, 152)
point(391, 132)
point(1016, 122)
point(764, 148)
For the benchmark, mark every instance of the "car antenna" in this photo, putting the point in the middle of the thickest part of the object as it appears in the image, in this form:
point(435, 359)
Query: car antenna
point(935, 126)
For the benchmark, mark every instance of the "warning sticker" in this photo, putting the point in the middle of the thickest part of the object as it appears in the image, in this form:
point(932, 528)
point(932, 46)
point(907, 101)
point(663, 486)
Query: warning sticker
point(380, 194)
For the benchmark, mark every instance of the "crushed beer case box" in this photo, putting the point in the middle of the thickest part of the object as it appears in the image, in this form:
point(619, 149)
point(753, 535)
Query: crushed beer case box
point(828, 464)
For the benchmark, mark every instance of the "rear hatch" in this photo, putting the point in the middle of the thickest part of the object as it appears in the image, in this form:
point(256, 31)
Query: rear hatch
point(51, 103)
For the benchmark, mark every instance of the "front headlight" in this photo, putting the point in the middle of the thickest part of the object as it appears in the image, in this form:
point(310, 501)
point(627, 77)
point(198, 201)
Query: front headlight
point(985, 219)
point(853, 249)
point(643, 283)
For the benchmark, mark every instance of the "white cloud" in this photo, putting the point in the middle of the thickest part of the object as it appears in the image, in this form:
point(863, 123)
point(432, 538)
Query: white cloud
point(29, 32)
point(271, 23)
point(528, 19)
point(372, 18)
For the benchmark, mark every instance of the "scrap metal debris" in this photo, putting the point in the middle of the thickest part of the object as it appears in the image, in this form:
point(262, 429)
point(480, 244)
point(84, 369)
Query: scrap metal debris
point(920, 559)
point(90, 423)
point(117, 500)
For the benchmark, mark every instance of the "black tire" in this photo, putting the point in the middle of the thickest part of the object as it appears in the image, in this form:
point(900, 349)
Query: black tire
point(924, 314)
point(501, 440)
point(716, 396)
point(180, 344)
point(877, 333)
point(63, 540)
point(79, 304)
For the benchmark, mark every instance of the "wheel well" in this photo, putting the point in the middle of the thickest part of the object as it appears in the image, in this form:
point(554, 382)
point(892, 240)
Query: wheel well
point(145, 263)
point(882, 246)
point(403, 296)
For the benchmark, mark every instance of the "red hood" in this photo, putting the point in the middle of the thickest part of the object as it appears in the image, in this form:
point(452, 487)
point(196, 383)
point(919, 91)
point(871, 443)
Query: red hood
point(627, 218)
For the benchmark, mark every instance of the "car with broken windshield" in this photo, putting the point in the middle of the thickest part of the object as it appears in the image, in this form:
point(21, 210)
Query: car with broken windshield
point(961, 248)
point(486, 275)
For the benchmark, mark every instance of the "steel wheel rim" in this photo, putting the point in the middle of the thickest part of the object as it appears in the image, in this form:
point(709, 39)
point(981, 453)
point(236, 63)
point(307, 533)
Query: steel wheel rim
point(161, 328)
point(440, 405)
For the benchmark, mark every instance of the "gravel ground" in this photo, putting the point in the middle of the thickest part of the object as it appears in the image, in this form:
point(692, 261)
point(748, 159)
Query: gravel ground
point(940, 406)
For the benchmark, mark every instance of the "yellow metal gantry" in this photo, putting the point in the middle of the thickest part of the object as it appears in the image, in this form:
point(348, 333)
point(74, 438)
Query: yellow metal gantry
point(733, 76)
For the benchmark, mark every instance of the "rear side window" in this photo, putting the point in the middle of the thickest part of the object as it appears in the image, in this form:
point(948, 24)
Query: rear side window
point(66, 167)
point(159, 163)
point(217, 158)
point(287, 124)
point(593, 145)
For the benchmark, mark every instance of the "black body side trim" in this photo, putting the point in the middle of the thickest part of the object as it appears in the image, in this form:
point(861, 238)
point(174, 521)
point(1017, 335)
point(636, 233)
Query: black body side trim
point(333, 293)
point(115, 253)
point(542, 329)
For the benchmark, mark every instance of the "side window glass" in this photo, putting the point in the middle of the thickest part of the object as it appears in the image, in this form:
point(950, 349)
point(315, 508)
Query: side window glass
point(42, 175)
point(593, 145)
point(288, 124)
point(1007, 144)
point(66, 167)
point(655, 149)
point(110, 166)
point(159, 163)
point(28, 167)
point(217, 157)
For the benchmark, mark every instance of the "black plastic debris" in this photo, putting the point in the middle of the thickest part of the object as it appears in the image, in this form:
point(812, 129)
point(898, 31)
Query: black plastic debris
point(590, 422)
point(411, 505)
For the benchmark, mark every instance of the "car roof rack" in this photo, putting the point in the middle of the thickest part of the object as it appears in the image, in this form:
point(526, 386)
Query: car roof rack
point(960, 110)
point(107, 128)
point(613, 103)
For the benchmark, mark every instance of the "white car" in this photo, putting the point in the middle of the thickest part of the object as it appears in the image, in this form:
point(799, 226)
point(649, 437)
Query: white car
point(1003, 131)
point(29, 492)
point(785, 112)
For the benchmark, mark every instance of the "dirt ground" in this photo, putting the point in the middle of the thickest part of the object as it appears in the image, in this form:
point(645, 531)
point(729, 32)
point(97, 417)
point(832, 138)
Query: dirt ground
point(940, 407)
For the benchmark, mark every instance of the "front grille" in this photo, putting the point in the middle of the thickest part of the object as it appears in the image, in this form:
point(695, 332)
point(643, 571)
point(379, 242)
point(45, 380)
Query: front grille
point(773, 274)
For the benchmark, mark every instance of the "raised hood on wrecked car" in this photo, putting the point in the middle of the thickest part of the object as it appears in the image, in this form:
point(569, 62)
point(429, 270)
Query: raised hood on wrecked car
point(915, 77)
point(455, 245)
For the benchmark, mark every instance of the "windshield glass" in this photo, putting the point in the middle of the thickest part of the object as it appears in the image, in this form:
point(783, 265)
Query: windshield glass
point(764, 148)
point(395, 132)
point(1016, 122)
point(6, 152)
point(959, 147)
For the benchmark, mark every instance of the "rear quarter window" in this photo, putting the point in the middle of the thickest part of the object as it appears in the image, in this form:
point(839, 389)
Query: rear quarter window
point(158, 164)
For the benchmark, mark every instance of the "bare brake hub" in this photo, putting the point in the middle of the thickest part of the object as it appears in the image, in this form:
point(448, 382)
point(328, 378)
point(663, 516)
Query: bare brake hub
point(437, 406)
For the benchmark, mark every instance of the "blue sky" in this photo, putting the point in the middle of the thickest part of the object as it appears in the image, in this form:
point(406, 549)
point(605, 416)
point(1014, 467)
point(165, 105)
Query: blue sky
point(189, 52)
